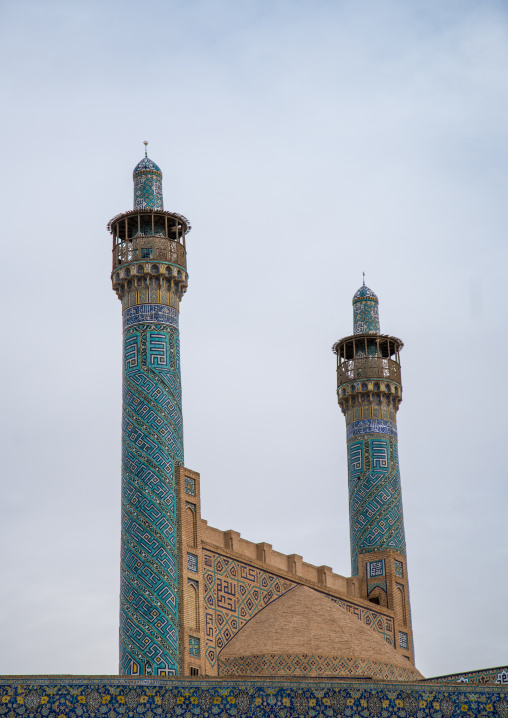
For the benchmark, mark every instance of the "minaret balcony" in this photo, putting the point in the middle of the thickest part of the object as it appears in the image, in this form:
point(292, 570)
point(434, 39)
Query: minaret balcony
point(149, 236)
point(368, 356)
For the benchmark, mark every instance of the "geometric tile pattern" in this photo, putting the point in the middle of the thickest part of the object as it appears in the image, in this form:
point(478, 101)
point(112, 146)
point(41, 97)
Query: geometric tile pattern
point(234, 593)
point(375, 501)
point(376, 568)
point(152, 445)
point(93, 696)
point(147, 185)
point(365, 312)
point(311, 665)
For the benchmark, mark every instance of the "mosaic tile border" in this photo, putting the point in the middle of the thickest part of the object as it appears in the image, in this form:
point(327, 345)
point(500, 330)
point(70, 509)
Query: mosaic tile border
point(371, 426)
point(486, 676)
point(92, 696)
point(150, 313)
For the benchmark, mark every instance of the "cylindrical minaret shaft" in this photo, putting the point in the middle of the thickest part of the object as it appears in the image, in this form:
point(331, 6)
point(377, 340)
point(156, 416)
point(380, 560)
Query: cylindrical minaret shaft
point(369, 392)
point(149, 276)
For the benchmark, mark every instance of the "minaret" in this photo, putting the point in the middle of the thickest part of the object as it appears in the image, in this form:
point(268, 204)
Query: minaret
point(369, 392)
point(150, 277)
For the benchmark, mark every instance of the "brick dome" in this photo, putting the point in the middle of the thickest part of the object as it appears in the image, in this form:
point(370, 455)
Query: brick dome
point(305, 633)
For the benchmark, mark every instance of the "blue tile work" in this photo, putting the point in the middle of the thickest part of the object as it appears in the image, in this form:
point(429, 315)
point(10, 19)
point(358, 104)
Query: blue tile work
point(485, 676)
point(376, 568)
point(365, 312)
point(113, 696)
point(371, 426)
point(194, 647)
point(147, 185)
point(375, 501)
point(150, 313)
point(152, 447)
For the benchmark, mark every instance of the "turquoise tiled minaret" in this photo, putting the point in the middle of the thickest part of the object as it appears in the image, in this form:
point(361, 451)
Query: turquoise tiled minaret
point(149, 276)
point(369, 392)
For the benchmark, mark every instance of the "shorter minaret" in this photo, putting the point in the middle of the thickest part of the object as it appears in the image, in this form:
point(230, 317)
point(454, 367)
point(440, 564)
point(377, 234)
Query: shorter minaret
point(369, 392)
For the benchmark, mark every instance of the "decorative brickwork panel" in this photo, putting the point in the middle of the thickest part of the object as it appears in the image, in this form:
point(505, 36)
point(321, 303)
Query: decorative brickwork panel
point(310, 665)
point(92, 696)
point(234, 593)
point(383, 625)
point(152, 446)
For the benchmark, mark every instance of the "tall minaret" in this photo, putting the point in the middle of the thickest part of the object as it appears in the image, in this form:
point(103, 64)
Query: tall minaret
point(369, 392)
point(150, 277)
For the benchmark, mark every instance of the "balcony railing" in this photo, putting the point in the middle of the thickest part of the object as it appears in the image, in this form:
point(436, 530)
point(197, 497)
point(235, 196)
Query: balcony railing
point(368, 368)
point(143, 249)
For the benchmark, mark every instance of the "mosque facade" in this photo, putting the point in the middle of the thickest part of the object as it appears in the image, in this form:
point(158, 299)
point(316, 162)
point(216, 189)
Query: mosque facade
point(212, 624)
point(188, 591)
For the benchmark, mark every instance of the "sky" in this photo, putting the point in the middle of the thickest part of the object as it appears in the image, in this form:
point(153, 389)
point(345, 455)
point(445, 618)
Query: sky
point(307, 141)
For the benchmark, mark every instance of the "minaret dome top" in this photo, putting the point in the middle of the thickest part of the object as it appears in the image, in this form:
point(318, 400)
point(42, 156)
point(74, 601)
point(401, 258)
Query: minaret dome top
point(365, 311)
point(363, 293)
point(147, 165)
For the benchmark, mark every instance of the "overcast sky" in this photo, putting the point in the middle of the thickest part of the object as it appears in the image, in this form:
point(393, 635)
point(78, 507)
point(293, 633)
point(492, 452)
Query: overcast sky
point(306, 141)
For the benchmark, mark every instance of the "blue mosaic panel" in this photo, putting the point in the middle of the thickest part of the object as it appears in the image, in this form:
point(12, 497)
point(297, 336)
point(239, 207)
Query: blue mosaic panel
point(190, 486)
point(152, 446)
point(376, 568)
point(371, 426)
point(375, 501)
point(192, 562)
point(92, 696)
point(150, 313)
point(398, 568)
point(403, 639)
point(194, 647)
point(365, 312)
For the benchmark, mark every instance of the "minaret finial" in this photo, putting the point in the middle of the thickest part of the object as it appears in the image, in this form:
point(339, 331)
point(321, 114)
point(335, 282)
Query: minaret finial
point(363, 278)
point(145, 142)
